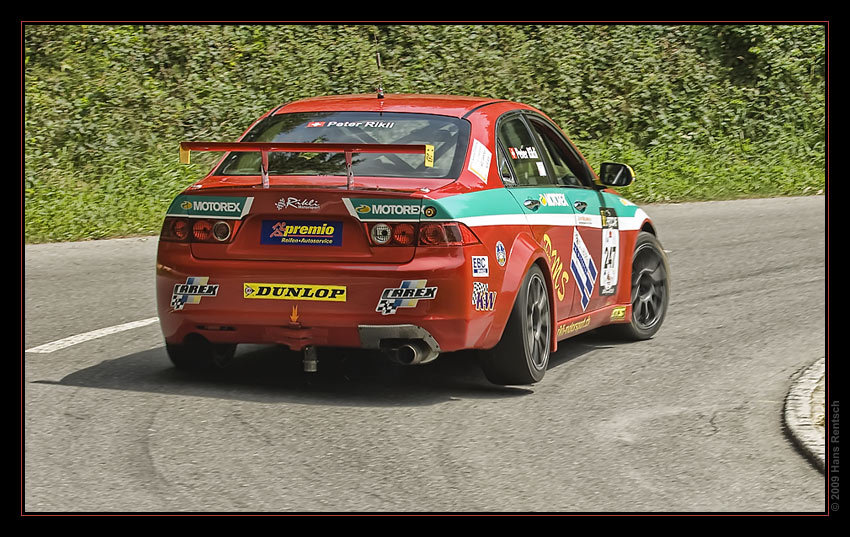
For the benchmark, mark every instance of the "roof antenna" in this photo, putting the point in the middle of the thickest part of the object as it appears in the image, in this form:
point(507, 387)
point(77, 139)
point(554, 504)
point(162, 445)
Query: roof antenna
point(380, 72)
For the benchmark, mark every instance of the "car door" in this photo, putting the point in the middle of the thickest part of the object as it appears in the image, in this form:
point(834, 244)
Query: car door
point(594, 255)
point(543, 202)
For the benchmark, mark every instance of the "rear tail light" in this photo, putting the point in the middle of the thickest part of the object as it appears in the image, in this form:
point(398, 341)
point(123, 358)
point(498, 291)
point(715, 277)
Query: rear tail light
point(430, 234)
point(381, 234)
point(201, 230)
point(221, 231)
point(198, 230)
point(404, 234)
point(446, 234)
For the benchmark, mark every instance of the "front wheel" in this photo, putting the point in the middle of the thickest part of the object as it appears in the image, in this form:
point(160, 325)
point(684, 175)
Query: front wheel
point(522, 355)
point(650, 290)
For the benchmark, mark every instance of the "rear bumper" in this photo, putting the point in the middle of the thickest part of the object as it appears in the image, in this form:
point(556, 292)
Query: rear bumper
point(223, 309)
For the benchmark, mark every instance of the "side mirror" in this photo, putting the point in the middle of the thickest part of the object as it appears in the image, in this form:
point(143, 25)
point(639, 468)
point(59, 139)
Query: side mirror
point(614, 174)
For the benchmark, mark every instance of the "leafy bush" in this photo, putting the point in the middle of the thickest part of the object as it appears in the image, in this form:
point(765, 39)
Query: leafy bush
point(701, 112)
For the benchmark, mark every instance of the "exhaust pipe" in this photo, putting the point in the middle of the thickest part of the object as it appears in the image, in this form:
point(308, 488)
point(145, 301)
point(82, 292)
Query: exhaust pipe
point(405, 344)
point(412, 353)
point(311, 360)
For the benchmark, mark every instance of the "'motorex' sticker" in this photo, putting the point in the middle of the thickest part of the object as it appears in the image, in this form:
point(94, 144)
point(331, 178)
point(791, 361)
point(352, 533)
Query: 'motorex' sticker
point(387, 209)
point(225, 207)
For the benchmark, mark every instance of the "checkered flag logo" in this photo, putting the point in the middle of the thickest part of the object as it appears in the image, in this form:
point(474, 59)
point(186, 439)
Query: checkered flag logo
point(177, 302)
point(386, 307)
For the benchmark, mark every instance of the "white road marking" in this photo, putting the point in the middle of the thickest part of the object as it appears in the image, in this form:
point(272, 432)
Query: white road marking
point(94, 334)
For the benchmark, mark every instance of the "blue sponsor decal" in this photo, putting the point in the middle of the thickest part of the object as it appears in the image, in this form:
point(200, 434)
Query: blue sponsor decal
point(583, 269)
point(302, 232)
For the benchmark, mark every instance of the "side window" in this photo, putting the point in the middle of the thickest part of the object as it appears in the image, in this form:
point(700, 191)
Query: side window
point(505, 171)
point(566, 166)
point(523, 154)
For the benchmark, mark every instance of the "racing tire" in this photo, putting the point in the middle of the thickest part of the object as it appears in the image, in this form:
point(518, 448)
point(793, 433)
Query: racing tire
point(650, 290)
point(196, 353)
point(522, 355)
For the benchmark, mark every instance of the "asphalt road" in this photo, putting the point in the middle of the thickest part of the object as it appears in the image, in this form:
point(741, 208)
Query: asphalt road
point(688, 421)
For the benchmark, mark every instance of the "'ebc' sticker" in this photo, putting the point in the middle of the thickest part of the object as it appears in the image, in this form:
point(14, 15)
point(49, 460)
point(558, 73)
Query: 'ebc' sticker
point(583, 269)
point(480, 266)
point(224, 207)
point(406, 295)
point(302, 232)
point(610, 252)
point(192, 291)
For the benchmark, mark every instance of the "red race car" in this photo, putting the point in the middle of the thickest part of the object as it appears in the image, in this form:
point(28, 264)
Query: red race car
point(409, 224)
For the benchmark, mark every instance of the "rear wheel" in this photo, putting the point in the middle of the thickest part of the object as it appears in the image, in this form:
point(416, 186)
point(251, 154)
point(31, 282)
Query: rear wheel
point(196, 353)
point(650, 290)
point(522, 355)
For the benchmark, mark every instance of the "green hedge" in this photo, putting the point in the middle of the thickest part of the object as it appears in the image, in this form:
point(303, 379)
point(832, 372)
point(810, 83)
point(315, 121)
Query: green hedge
point(700, 111)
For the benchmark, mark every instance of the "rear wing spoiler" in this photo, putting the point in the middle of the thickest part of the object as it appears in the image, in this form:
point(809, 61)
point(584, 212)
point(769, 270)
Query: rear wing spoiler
point(266, 147)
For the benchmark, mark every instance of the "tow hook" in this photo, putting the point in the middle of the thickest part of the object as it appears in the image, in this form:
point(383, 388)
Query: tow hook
point(311, 359)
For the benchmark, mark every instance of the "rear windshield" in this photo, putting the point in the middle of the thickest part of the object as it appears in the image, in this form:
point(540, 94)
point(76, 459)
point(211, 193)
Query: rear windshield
point(449, 137)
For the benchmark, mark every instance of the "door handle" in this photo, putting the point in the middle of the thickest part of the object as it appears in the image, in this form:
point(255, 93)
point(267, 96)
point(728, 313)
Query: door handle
point(580, 206)
point(531, 204)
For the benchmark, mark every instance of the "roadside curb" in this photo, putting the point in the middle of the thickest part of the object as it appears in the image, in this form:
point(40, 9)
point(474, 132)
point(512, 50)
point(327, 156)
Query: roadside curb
point(804, 413)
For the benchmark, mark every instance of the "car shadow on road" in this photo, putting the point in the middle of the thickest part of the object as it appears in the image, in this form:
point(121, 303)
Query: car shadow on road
point(346, 377)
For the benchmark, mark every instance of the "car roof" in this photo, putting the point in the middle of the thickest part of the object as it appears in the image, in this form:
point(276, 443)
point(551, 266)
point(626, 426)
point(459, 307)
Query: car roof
point(444, 105)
